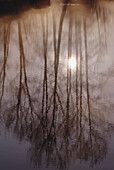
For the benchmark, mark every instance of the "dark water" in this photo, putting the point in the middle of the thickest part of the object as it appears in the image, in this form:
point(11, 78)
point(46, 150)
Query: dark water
point(55, 114)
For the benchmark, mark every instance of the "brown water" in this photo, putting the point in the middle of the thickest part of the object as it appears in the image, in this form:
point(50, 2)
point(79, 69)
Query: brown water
point(55, 114)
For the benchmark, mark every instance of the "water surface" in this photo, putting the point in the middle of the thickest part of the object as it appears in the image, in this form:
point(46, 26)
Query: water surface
point(56, 87)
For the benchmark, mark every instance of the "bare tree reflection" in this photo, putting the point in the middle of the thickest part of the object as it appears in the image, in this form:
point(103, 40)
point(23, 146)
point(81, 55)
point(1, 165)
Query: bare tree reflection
point(22, 68)
point(87, 83)
point(6, 50)
point(57, 51)
point(45, 83)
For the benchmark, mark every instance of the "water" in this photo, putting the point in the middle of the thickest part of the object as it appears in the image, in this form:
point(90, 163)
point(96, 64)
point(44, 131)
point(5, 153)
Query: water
point(55, 114)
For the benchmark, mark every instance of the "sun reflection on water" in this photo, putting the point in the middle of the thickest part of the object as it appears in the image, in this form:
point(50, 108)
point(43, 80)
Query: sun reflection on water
point(72, 63)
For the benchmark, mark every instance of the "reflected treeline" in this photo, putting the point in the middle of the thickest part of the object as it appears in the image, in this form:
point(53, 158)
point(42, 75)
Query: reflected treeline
point(43, 100)
point(16, 7)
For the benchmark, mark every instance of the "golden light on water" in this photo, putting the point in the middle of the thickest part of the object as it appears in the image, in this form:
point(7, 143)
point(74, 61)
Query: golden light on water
point(72, 63)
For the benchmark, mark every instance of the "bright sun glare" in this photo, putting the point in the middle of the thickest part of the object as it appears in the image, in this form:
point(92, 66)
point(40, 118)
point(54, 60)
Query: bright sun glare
point(72, 63)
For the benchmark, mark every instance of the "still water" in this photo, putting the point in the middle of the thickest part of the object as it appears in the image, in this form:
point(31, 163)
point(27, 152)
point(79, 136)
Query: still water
point(57, 88)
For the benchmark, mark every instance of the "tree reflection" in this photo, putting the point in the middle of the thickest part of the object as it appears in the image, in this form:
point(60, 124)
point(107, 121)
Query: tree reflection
point(22, 68)
point(57, 115)
point(6, 33)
